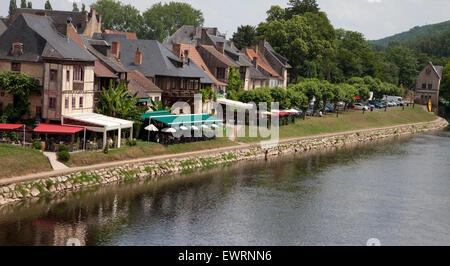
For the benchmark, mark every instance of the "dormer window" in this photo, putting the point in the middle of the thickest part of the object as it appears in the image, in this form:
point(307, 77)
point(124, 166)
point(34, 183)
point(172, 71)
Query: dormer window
point(17, 49)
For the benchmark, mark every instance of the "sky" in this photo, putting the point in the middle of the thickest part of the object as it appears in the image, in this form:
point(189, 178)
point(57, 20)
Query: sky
point(374, 18)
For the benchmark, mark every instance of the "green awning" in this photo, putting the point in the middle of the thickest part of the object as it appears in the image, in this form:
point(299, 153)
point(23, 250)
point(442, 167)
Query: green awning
point(144, 100)
point(154, 113)
point(176, 120)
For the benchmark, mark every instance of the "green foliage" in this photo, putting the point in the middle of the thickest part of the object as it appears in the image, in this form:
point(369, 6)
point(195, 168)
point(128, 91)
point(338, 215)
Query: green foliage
point(36, 145)
point(245, 36)
point(258, 95)
point(131, 142)
point(116, 101)
point(234, 83)
point(29, 5)
point(160, 106)
point(23, 3)
point(275, 13)
point(63, 156)
point(63, 148)
point(48, 5)
point(299, 7)
point(207, 94)
point(106, 148)
point(416, 33)
point(445, 86)
point(75, 7)
point(12, 7)
point(120, 17)
point(163, 19)
point(19, 85)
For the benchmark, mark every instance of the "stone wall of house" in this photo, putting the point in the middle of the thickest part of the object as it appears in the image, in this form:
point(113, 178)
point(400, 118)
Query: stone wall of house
point(151, 169)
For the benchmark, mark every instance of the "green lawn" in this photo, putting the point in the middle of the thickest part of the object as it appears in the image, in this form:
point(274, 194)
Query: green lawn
point(16, 161)
point(351, 120)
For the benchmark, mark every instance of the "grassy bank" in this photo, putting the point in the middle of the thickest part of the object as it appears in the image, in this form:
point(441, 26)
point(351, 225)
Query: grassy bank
point(16, 161)
point(351, 120)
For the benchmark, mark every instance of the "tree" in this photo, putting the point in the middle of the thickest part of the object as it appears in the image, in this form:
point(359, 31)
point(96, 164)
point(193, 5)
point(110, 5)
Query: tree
point(275, 13)
point(404, 58)
point(234, 83)
point(300, 7)
point(245, 36)
point(445, 86)
point(75, 7)
point(30, 5)
point(162, 20)
point(160, 106)
point(48, 5)
point(19, 85)
point(23, 3)
point(116, 101)
point(118, 16)
point(12, 7)
point(83, 7)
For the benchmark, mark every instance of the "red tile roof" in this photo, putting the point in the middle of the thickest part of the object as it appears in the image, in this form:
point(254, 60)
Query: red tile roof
point(130, 35)
point(100, 70)
point(197, 59)
point(262, 62)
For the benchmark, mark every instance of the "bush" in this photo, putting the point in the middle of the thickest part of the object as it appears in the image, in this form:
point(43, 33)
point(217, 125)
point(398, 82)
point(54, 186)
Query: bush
point(37, 145)
point(106, 149)
point(63, 156)
point(63, 148)
point(13, 136)
point(131, 142)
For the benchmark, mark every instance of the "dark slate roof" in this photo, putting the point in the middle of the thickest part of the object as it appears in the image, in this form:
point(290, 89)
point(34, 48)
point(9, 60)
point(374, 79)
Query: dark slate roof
point(439, 70)
point(186, 34)
point(59, 18)
point(2, 27)
point(283, 60)
point(111, 63)
point(256, 74)
point(157, 59)
point(40, 40)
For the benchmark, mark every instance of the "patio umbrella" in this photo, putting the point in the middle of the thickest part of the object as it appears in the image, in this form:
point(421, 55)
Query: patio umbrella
point(204, 127)
point(214, 126)
point(195, 128)
point(151, 128)
point(183, 128)
point(168, 130)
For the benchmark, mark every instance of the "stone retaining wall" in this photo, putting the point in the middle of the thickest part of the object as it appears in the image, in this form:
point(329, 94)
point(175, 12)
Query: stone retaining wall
point(152, 170)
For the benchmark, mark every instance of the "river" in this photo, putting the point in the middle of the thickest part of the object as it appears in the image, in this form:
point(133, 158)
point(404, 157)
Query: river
point(397, 191)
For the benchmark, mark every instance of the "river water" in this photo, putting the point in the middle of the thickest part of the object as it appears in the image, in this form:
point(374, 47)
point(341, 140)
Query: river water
point(397, 191)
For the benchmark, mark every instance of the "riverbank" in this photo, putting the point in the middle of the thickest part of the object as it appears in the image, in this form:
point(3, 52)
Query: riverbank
point(47, 184)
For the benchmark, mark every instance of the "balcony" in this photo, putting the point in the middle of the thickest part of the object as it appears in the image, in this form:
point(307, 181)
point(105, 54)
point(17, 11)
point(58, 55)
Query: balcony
point(78, 86)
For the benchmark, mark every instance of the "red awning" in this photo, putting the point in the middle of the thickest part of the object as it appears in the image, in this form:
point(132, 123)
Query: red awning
point(10, 126)
point(357, 98)
point(57, 129)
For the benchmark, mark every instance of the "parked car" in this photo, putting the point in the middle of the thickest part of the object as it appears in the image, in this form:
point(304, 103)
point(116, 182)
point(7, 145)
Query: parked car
point(360, 106)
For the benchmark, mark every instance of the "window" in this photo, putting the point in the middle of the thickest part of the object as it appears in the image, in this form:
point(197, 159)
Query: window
point(424, 86)
point(53, 74)
point(15, 67)
point(74, 102)
point(156, 99)
point(77, 73)
point(52, 103)
point(68, 75)
point(430, 86)
point(66, 103)
point(38, 109)
point(220, 73)
point(81, 102)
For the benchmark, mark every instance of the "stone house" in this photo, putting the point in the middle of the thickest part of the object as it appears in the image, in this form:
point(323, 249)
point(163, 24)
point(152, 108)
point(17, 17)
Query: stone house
point(178, 78)
point(428, 85)
point(63, 68)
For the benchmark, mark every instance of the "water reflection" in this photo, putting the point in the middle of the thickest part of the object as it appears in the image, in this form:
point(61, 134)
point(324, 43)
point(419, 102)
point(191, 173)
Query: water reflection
point(397, 191)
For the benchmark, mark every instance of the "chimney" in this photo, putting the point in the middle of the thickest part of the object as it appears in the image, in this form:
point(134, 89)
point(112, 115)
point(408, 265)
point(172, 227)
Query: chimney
point(261, 46)
point(176, 48)
point(115, 49)
point(220, 46)
point(214, 31)
point(138, 58)
point(255, 62)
